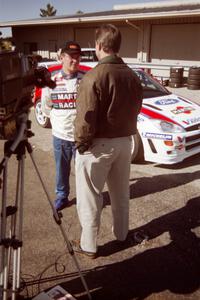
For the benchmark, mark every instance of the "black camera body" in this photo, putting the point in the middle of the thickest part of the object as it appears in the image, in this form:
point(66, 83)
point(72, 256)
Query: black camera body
point(18, 78)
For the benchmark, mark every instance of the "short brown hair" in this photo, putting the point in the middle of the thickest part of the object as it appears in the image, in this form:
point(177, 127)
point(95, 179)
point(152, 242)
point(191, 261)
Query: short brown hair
point(110, 38)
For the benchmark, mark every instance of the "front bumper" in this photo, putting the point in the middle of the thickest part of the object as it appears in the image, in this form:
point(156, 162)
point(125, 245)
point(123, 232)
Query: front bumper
point(180, 147)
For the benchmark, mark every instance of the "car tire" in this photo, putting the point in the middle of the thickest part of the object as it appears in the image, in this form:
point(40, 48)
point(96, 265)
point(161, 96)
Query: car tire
point(137, 149)
point(194, 71)
point(176, 77)
point(175, 72)
point(194, 76)
point(175, 80)
point(175, 85)
point(42, 120)
point(193, 81)
point(193, 87)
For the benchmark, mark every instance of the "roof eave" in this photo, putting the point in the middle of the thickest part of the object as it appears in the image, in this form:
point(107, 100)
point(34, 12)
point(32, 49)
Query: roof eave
point(119, 17)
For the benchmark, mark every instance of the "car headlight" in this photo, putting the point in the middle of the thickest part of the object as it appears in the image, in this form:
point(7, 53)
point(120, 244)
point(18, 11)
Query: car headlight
point(168, 126)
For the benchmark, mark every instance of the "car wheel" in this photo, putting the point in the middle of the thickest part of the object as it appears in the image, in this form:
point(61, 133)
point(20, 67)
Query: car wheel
point(40, 118)
point(137, 149)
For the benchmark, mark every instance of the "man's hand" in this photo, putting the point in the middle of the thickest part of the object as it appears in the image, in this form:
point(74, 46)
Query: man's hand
point(82, 148)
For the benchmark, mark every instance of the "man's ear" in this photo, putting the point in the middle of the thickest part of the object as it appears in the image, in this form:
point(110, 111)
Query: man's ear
point(61, 57)
point(100, 46)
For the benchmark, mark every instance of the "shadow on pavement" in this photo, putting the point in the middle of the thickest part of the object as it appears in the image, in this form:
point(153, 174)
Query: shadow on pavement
point(154, 184)
point(160, 183)
point(174, 267)
point(188, 162)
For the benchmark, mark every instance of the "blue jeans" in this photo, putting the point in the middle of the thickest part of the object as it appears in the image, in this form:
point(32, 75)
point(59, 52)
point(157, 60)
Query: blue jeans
point(63, 153)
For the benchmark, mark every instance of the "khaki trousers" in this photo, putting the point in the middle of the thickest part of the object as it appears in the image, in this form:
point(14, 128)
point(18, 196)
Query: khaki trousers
point(107, 161)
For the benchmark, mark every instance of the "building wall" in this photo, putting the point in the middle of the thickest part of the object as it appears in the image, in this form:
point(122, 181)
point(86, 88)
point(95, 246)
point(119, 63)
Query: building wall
point(50, 38)
point(129, 47)
point(157, 41)
point(174, 42)
point(85, 35)
point(171, 42)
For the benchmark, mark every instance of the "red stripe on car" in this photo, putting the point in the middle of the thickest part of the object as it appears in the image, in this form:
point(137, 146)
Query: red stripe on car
point(155, 115)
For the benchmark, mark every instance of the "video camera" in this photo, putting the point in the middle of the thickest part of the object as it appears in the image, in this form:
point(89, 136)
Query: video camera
point(18, 77)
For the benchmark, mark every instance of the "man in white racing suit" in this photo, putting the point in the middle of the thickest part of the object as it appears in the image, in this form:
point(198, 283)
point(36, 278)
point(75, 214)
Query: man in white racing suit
point(62, 101)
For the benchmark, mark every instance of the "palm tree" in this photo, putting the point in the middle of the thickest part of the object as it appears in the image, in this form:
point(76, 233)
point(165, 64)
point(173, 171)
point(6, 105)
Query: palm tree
point(5, 44)
point(48, 12)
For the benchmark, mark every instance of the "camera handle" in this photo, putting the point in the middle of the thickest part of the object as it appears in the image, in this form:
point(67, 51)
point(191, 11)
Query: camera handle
point(11, 245)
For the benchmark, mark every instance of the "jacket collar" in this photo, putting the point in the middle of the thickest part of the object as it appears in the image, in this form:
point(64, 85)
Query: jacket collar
point(111, 59)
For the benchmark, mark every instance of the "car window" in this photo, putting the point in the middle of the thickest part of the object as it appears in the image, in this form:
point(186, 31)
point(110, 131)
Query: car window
point(151, 87)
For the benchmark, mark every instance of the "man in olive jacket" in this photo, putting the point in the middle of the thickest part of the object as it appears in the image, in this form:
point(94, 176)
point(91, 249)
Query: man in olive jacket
point(108, 103)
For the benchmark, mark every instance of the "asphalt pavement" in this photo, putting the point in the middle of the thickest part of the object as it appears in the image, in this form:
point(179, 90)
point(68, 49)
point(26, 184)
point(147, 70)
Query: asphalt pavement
point(161, 259)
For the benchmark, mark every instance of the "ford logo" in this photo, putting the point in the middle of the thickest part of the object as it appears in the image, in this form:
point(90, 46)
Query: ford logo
point(166, 101)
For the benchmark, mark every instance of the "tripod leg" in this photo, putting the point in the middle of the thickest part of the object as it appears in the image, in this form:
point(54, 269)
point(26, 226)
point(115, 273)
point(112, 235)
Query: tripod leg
point(1, 249)
point(16, 271)
point(59, 222)
point(18, 235)
point(11, 241)
point(4, 250)
point(21, 218)
point(5, 271)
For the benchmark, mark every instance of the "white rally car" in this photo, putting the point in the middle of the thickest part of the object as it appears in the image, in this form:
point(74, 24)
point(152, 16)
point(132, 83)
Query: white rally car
point(168, 125)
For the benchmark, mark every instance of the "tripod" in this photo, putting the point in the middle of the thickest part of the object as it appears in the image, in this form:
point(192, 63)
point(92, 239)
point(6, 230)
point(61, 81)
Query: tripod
point(12, 216)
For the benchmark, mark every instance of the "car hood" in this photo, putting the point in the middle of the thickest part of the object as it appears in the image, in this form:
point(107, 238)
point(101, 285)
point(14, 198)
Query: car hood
point(172, 108)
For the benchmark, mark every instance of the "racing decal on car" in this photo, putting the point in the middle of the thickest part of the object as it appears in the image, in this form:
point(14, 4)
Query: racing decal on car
point(182, 110)
point(160, 136)
point(140, 119)
point(192, 121)
point(167, 101)
point(152, 106)
point(148, 113)
point(183, 99)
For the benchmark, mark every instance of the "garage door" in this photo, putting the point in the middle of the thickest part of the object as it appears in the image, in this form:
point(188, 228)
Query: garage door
point(174, 43)
point(85, 36)
point(129, 46)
